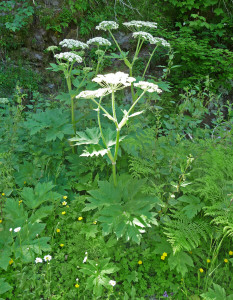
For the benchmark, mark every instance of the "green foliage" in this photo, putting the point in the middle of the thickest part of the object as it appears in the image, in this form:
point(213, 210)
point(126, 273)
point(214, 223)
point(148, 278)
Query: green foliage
point(123, 210)
point(217, 293)
point(181, 261)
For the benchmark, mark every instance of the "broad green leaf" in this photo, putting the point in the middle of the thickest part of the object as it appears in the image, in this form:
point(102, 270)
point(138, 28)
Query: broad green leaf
point(180, 261)
point(89, 136)
point(4, 286)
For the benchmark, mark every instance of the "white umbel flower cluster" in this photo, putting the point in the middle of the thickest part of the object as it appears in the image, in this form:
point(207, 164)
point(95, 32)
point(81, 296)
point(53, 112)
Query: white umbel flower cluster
point(94, 94)
point(132, 25)
point(148, 87)
point(161, 41)
point(114, 81)
point(144, 35)
point(69, 56)
point(69, 43)
point(99, 41)
point(107, 25)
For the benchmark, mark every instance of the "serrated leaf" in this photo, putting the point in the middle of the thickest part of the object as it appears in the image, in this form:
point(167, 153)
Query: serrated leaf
point(180, 261)
point(94, 150)
point(89, 136)
point(4, 286)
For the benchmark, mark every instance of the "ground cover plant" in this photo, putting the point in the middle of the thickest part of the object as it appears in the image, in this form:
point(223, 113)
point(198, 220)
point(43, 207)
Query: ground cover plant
point(113, 190)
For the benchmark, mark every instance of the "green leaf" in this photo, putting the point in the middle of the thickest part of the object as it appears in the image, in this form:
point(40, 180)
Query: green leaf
point(180, 261)
point(193, 207)
point(90, 136)
point(5, 258)
point(4, 286)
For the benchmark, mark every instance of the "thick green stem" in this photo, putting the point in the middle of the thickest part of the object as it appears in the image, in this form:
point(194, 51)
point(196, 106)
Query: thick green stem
point(114, 173)
point(132, 89)
point(149, 62)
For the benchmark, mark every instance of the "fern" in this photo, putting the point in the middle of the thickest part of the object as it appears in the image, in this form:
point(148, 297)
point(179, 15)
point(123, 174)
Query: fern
point(186, 234)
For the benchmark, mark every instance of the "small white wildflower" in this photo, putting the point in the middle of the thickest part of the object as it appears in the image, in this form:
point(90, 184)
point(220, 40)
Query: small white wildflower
point(10, 229)
point(134, 25)
point(112, 282)
point(17, 229)
point(173, 196)
point(148, 86)
point(96, 264)
point(85, 259)
point(69, 43)
point(107, 25)
point(47, 257)
point(114, 81)
point(86, 252)
point(99, 41)
point(69, 56)
point(77, 279)
point(94, 94)
point(144, 35)
point(161, 41)
point(38, 260)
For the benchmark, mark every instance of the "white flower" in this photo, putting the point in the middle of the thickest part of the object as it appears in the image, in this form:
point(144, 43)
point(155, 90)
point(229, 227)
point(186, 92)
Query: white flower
point(163, 42)
point(47, 257)
point(77, 279)
point(114, 81)
point(107, 25)
point(144, 35)
point(94, 94)
point(17, 229)
point(69, 56)
point(85, 259)
point(10, 229)
point(148, 86)
point(99, 41)
point(112, 282)
point(38, 260)
point(134, 25)
point(69, 43)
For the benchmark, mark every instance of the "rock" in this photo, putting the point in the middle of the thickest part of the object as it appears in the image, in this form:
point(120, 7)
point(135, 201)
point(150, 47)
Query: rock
point(124, 40)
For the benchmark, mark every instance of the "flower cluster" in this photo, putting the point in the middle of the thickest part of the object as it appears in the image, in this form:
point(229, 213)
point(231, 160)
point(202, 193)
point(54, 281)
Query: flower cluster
point(17, 229)
point(52, 48)
point(148, 87)
point(69, 56)
point(40, 260)
point(107, 25)
point(139, 24)
point(114, 81)
point(161, 41)
point(99, 41)
point(164, 255)
point(69, 43)
point(94, 94)
point(145, 36)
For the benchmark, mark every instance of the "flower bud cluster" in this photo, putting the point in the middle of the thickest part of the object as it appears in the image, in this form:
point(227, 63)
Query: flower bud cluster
point(114, 81)
point(94, 94)
point(144, 35)
point(139, 24)
point(148, 86)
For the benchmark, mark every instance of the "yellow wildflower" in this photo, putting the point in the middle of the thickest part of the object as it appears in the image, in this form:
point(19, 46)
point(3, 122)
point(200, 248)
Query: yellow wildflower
point(139, 262)
point(3, 194)
point(77, 285)
point(11, 261)
point(24, 182)
point(95, 222)
point(164, 254)
point(208, 260)
point(80, 218)
point(163, 257)
point(64, 197)
point(20, 201)
point(0, 221)
point(64, 203)
point(226, 260)
point(230, 252)
point(62, 245)
point(58, 230)
point(63, 213)
point(201, 270)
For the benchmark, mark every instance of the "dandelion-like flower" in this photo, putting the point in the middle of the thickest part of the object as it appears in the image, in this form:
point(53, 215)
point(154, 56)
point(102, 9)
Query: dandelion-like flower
point(65, 197)
point(62, 245)
point(230, 252)
point(38, 260)
point(17, 229)
point(148, 87)
point(77, 285)
point(139, 262)
point(11, 261)
point(208, 261)
point(164, 254)
point(80, 218)
point(99, 41)
point(70, 43)
point(94, 94)
point(0, 221)
point(112, 282)
point(145, 36)
point(114, 81)
point(47, 257)
point(161, 41)
point(64, 203)
point(58, 230)
point(107, 25)
point(3, 194)
point(134, 25)
point(226, 260)
point(69, 56)
point(201, 270)
point(63, 213)
point(163, 257)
